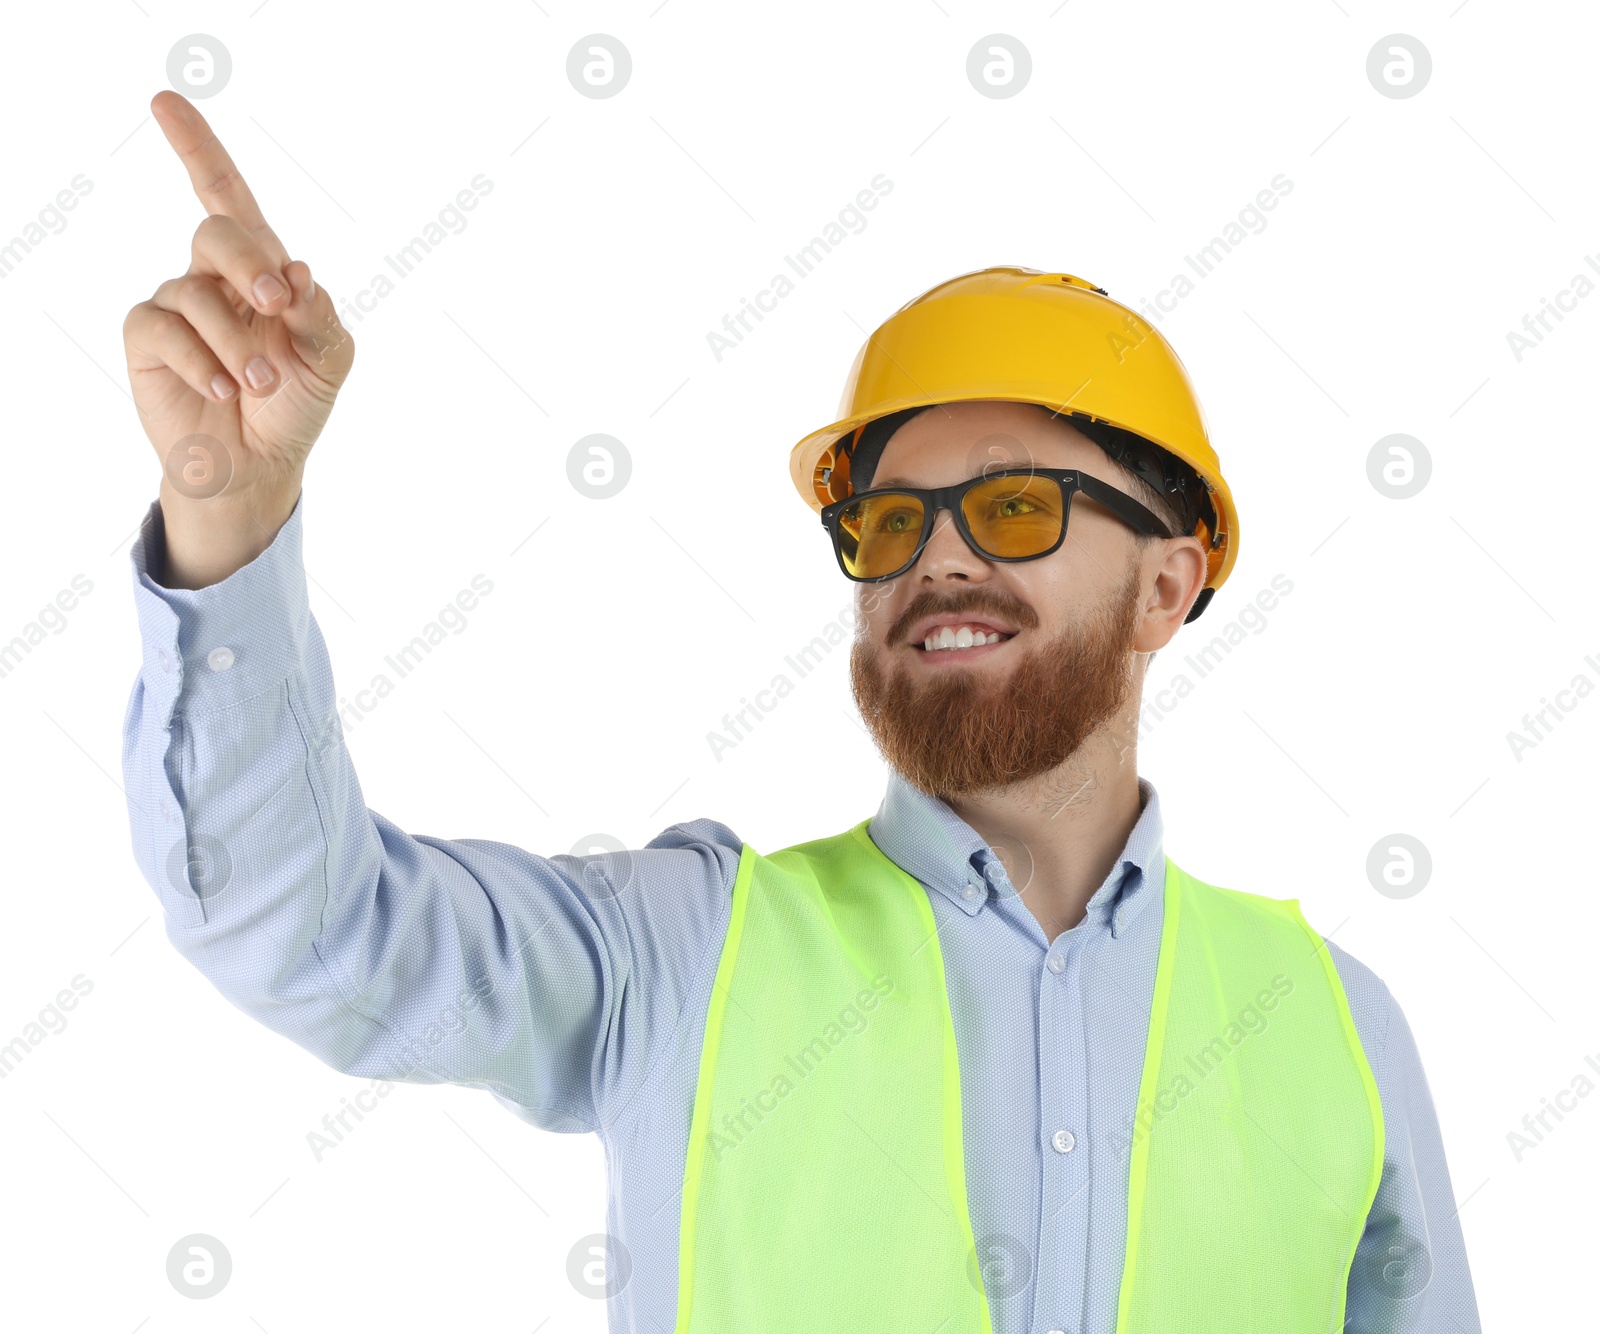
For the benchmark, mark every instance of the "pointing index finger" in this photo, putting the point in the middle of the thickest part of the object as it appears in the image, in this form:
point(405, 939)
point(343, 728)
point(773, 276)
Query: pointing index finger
point(216, 181)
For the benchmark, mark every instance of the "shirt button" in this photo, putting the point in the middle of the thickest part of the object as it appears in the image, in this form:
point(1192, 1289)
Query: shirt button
point(1058, 1331)
point(165, 659)
point(1055, 963)
point(970, 892)
point(220, 659)
point(1064, 1141)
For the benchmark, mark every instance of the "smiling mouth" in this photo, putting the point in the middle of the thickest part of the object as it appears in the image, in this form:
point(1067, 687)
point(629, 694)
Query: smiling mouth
point(948, 645)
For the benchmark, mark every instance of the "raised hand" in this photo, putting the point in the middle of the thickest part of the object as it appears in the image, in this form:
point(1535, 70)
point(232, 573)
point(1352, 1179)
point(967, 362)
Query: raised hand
point(234, 367)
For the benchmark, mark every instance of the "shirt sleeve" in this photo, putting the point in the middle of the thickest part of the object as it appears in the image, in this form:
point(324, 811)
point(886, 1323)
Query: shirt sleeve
point(1410, 1273)
point(387, 954)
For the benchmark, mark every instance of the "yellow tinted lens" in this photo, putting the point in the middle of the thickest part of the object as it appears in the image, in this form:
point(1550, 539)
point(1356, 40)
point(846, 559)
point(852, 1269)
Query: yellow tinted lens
point(878, 534)
point(1015, 516)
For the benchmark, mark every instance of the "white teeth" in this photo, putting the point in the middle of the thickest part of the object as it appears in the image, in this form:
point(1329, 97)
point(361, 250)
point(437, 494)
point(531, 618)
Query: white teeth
point(965, 637)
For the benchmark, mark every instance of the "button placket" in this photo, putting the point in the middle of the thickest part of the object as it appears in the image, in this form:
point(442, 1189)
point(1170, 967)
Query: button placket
point(1074, 1165)
point(1063, 1112)
point(1053, 1283)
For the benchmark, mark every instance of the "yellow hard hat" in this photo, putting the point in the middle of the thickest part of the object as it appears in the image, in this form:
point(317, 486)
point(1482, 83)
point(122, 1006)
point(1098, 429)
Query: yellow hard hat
point(1026, 336)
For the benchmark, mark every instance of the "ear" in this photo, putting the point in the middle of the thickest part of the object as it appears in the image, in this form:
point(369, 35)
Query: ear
point(1175, 571)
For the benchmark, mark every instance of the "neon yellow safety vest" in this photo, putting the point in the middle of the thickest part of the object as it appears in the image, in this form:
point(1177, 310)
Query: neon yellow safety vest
point(825, 1183)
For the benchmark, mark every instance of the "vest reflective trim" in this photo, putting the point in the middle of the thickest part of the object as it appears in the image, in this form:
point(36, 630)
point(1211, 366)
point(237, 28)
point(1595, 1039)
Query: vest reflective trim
point(825, 1188)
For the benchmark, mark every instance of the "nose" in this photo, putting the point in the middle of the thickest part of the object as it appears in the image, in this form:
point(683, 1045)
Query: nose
point(947, 555)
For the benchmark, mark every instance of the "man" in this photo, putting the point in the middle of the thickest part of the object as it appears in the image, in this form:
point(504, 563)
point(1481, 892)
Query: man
point(986, 1061)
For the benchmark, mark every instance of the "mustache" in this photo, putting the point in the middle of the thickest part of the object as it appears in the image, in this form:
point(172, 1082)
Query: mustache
point(967, 600)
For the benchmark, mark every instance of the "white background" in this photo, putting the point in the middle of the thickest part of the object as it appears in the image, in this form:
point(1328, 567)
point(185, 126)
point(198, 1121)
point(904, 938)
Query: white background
point(1376, 700)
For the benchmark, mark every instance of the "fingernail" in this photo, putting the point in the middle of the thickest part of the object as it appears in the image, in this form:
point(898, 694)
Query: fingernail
point(222, 385)
point(311, 288)
point(258, 370)
point(266, 289)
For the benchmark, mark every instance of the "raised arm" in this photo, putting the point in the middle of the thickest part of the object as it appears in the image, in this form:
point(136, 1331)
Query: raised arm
point(549, 981)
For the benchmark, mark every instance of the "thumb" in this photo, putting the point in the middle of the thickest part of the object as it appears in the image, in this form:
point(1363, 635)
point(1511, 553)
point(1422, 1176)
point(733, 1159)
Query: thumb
point(313, 325)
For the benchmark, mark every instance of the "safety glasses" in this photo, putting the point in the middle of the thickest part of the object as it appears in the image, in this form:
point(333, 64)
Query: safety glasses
point(1019, 514)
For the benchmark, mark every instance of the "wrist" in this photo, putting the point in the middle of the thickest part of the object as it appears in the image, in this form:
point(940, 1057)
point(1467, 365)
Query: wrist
point(206, 540)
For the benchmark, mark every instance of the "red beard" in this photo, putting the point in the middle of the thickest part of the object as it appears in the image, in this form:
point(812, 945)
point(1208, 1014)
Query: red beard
point(954, 733)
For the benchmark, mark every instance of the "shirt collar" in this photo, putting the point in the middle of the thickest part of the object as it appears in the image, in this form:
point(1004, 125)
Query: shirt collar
point(928, 840)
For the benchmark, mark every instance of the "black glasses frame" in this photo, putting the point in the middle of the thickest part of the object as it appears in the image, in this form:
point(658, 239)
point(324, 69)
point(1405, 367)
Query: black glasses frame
point(934, 499)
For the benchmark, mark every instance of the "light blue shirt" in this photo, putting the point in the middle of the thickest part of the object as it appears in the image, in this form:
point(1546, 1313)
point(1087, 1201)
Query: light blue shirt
point(575, 989)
